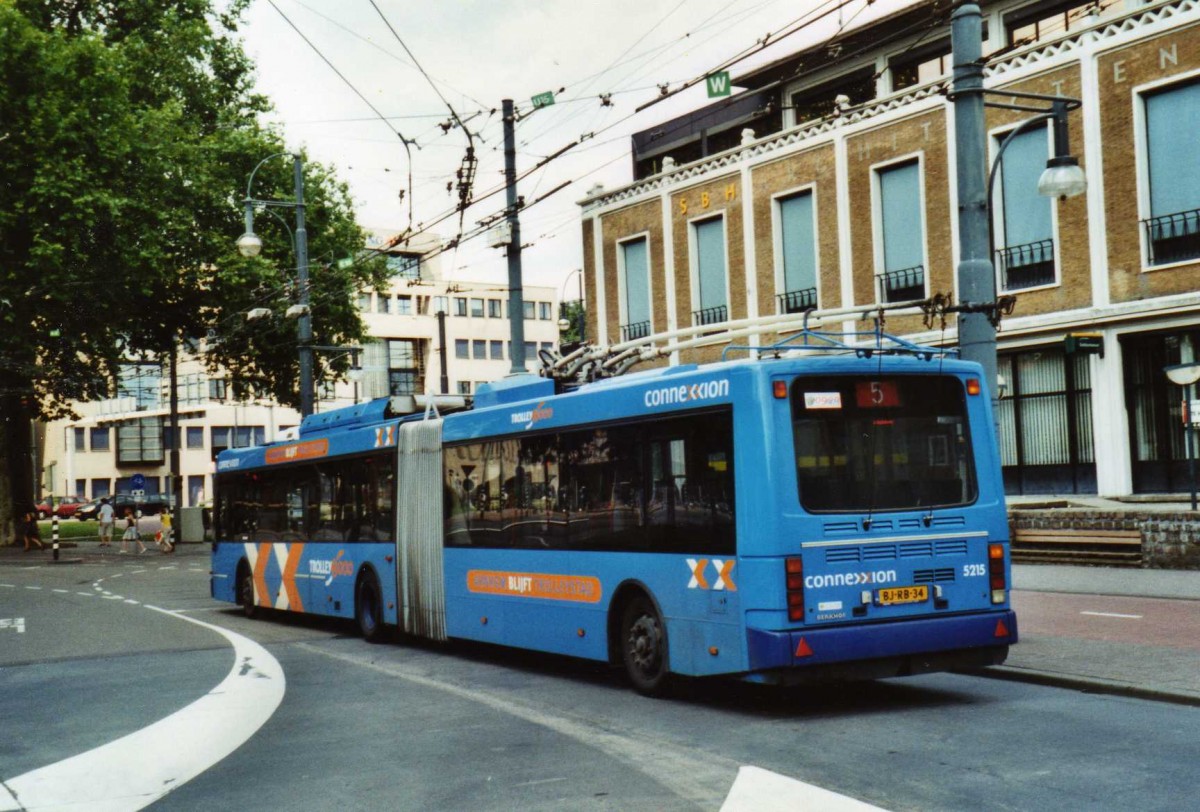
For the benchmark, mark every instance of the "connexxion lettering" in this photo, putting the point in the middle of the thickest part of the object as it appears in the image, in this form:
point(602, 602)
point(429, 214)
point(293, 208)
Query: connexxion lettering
point(669, 395)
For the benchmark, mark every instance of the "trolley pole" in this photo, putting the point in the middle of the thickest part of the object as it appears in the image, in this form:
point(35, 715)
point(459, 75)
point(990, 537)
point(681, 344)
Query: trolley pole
point(976, 276)
point(516, 302)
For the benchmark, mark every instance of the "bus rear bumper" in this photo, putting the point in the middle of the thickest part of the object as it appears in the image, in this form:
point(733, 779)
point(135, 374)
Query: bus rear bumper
point(911, 646)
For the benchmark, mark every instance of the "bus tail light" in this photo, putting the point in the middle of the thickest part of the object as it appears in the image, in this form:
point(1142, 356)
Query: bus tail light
point(973, 386)
point(996, 579)
point(794, 571)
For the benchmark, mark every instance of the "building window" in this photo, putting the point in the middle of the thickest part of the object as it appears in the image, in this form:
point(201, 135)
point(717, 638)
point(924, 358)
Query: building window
point(223, 437)
point(708, 258)
point(81, 439)
point(901, 228)
point(195, 437)
point(1026, 256)
point(1173, 174)
point(479, 350)
point(364, 302)
point(544, 311)
point(404, 366)
point(462, 348)
point(464, 387)
point(216, 389)
point(813, 103)
point(404, 306)
point(140, 441)
point(921, 68)
point(797, 252)
point(460, 306)
point(195, 491)
point(497, 350)
point(404, 266)
point(1040, 21)
point(80, 484)
point(1045, 423)
point(100, 488)
point(477, 308)
point(493, 308)
point(528, 311)
point(441, 304)
point(635, 267)
point(142, 382)
point(383, 303)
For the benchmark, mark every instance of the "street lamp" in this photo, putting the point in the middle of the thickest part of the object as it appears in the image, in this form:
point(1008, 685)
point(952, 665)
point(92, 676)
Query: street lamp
point(979, 311)
point(1186, 375)
point(250, 245)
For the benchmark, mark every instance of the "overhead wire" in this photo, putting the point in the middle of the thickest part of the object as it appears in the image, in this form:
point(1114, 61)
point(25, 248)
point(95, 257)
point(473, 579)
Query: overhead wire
point(403, 140)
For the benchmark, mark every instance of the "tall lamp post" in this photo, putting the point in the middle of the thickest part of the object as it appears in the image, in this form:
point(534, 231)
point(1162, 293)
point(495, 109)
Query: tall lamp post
point(979, 310)
point(250, 245)
point(1186, 375)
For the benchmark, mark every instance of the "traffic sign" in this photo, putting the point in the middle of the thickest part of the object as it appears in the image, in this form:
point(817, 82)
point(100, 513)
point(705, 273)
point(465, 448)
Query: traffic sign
point(543, 99)
point(137, 493)
point(138, 481)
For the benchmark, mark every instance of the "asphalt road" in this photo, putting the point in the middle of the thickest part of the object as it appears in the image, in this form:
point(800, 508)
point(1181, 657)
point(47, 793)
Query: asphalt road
point(423, 726)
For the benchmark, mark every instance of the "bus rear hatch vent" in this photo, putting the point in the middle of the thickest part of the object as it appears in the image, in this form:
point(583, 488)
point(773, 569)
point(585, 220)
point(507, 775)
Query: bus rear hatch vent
point(936, 576)
point(916, 549)
point(841, 527)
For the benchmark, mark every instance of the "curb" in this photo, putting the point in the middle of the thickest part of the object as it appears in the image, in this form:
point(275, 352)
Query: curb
point(1092, 685)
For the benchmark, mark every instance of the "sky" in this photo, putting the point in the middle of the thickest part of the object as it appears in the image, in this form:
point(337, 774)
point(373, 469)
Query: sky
point(346, 91)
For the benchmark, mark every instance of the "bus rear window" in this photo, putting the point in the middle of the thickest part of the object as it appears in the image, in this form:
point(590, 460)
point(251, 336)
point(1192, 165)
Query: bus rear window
point(881, 443)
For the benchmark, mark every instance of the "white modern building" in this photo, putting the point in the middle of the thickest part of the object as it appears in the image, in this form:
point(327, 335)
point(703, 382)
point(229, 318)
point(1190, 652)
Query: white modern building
point(98, 453)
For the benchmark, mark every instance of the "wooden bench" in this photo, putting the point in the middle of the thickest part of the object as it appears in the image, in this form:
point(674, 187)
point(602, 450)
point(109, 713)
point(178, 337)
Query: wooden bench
point(1062, 546)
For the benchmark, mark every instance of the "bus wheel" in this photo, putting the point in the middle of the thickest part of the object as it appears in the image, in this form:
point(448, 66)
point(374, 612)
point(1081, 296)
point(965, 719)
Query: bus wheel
point(644, 647)
point(368, 609)
point(245, 589)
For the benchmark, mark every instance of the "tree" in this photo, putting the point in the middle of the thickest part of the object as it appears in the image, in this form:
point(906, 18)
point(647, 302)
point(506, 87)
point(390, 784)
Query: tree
point(128, 132)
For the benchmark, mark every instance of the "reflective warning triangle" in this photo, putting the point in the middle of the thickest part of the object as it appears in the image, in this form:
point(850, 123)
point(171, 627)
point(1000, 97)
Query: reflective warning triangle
point(802, 649)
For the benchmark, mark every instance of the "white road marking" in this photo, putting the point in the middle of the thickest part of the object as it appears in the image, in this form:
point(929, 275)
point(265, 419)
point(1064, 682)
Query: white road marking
point(86, 594)
point(540, 782)
point(137, 770)
point(759, 790)
point(17, 623)
point(9, 586)
point(61, 591)
point(34, 588)
point(1111, 614)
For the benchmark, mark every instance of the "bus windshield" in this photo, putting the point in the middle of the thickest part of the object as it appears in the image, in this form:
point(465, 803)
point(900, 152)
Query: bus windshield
point(881, 443)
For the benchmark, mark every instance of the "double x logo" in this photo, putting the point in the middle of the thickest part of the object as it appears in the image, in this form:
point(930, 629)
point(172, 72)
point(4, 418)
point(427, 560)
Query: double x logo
point(724, 574)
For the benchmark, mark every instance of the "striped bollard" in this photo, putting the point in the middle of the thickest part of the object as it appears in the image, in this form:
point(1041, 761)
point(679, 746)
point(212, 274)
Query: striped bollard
point(54, 533)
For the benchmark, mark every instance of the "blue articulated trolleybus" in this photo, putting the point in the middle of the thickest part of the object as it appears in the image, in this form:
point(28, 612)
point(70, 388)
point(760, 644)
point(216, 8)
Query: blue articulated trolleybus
point(807, 515)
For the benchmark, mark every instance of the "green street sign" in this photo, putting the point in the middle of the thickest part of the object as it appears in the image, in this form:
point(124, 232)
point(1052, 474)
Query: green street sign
point(345, 263)
point(1084, 343)
point(718, 84)
point(543, 99)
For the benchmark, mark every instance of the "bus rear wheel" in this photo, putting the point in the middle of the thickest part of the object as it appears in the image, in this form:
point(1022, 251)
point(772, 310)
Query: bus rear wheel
point(644, 647)
point(246, 592)
point(368, 608)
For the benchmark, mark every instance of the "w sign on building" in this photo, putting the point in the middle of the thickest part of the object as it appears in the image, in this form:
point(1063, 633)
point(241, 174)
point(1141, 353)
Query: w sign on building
point(718, 84)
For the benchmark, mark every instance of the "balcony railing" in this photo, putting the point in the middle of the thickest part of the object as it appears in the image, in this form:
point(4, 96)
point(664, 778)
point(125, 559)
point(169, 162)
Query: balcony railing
point(711, 315)
point(797, 301)
point(635, 330)
point(903, 285)
point(1026, 266)
point(1173, 237)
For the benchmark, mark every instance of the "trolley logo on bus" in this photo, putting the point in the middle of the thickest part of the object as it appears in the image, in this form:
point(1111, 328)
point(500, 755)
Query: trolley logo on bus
point(385, 436)
point(683, 393)
point(724, 570)
point(331, 568)
point(309, 449)
point(533, 416)
point(850, 579)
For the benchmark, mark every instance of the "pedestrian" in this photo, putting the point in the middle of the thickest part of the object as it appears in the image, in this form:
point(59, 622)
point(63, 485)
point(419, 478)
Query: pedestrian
point(106, 515)
point(131, 533)
point(165, 542)
point(30, 531)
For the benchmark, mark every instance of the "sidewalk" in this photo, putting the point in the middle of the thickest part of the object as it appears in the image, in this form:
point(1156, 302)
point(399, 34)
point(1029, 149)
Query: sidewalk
point(1159, 672)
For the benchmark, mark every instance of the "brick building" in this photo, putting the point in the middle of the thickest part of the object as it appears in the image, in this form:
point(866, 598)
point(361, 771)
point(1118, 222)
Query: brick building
point(828, 181)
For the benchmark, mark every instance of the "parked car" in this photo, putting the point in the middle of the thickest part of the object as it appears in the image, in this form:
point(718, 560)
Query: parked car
point(63, 506)
point(67, 506)
point(149, 505)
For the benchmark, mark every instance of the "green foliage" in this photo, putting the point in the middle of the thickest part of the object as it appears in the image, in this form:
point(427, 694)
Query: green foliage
point(575, 312)
point(128, 129)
